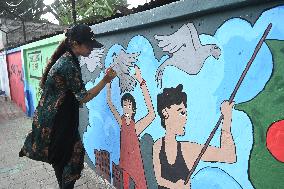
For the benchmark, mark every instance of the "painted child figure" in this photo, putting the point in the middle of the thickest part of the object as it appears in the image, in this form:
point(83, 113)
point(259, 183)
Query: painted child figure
point(130, 153)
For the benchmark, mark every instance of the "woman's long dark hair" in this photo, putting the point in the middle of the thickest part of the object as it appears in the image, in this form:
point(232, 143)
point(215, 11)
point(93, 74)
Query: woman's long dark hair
point(73, 36)
point(60, 50)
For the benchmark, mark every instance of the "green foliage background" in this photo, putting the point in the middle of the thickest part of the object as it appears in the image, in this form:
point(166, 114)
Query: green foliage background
point(264, 170)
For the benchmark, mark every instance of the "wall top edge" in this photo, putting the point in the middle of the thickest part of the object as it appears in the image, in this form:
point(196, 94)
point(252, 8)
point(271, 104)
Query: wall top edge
point(17, 49)
point(173, 10)
point(43, 42)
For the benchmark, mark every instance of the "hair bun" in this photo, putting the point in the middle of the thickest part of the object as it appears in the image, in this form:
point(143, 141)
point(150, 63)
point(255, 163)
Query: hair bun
point(167, 92)
point(179, 88)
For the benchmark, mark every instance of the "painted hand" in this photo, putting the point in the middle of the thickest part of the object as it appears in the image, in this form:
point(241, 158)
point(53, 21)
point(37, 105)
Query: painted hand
point(180, 184)
point(137, 74)
point(226, 108)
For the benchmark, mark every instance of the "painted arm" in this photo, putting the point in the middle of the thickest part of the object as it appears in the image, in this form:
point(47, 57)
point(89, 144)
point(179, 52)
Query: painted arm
point(158, 173)
point(143, 123)
point(111, 106)
point(227, 151)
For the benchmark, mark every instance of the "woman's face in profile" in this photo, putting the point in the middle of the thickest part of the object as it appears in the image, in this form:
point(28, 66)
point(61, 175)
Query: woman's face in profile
point(84, 50)
point(176, 118)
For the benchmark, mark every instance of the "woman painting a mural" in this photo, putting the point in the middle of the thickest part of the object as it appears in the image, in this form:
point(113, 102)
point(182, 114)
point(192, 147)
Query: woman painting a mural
point(130, 153)
point(172, 159)
point(55, 137)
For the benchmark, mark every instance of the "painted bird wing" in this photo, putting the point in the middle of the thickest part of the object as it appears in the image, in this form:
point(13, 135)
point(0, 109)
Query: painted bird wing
point(172, 43)
point(194, 38)
point(122, 64)
point(93, 60)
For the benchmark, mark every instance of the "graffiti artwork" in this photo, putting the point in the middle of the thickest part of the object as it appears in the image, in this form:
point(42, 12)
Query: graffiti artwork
point(16, 78)
point(187, 52)
point(149, 127)
point(35, 64)
point(94, 60)
point(35, 57)
point(130, 154)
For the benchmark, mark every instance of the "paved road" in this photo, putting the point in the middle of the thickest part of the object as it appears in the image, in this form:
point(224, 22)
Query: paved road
point(23, 173)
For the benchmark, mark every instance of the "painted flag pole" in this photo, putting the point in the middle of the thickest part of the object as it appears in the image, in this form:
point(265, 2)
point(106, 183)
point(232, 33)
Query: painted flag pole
point(230, 101)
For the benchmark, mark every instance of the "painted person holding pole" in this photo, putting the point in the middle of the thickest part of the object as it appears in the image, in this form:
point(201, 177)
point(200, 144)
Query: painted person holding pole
point(55, 137)
point(172, 159)
point(175, 162)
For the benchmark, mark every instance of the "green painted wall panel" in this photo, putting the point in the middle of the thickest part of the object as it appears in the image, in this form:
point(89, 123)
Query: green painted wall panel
point(36, 56)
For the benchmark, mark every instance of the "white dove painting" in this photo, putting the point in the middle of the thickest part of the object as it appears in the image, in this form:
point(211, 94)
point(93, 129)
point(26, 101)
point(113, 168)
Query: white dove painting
point(186, 51)
point(122, 62)
point(93, 60)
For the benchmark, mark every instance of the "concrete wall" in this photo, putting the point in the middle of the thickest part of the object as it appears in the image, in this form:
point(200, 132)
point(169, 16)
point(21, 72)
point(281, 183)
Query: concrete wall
point(35, 57)
point(4, 80)
point(203, 47)
point(16, 77)
point(183, 50)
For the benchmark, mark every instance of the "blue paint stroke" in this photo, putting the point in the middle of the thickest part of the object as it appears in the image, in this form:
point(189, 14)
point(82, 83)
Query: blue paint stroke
point(210, 177)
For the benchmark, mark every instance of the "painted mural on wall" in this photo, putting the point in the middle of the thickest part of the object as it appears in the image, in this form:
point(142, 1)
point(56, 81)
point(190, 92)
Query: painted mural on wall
point(36, 56)
point(34, 65)
point(16, 79)
point(4, 80)
point(93, 60)
point(147, 128)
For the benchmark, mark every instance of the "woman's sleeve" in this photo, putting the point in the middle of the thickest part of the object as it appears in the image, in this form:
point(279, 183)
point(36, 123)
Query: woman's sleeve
point(75, 83)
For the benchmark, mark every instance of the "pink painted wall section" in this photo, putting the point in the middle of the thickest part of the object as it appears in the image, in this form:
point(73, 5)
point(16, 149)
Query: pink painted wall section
point(16, 79)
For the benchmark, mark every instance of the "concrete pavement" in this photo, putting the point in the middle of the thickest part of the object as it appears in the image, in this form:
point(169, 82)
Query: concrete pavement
point(23, 173)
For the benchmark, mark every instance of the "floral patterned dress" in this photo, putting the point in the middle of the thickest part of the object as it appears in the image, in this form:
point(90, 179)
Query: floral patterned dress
point(54, 137)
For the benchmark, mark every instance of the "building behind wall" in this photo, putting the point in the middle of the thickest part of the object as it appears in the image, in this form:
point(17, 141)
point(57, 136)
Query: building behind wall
point(12, 33)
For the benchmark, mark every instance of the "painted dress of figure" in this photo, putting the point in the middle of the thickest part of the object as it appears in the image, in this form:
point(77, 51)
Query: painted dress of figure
point(172, 159)
point(130, 153)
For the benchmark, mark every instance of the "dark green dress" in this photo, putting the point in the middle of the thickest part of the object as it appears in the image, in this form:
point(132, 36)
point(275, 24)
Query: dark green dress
point(54, 137)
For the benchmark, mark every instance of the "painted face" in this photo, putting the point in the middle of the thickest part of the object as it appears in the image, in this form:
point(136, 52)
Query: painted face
point(127, 109)
point(176, 117)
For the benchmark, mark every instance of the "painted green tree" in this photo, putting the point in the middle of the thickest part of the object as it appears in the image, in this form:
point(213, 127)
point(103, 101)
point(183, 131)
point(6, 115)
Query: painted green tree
point(264, 170)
